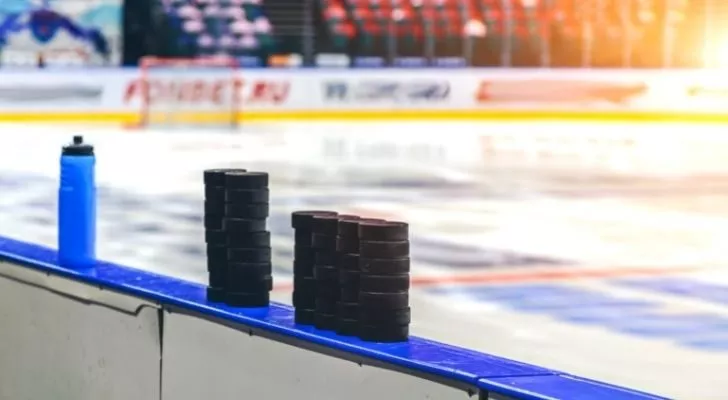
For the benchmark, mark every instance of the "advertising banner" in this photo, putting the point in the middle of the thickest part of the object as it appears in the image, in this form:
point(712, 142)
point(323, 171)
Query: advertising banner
point(388, 91)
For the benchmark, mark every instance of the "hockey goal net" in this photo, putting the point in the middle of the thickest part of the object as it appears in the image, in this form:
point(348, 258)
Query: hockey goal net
point(189, 92)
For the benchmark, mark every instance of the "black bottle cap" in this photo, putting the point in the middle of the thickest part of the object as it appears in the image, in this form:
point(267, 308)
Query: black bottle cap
point(78, 148)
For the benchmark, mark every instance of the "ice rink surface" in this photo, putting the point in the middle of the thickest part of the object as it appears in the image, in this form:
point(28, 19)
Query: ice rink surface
point(600, 250)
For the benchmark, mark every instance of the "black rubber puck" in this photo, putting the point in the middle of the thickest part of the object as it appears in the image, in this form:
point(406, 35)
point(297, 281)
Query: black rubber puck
point(252, 255)
point(213, 221)
point(325, 258)
point(302, 268)
point(302, 238)
point(348, 277)
point(246, 180)
point(325, 322)
point(216, 177)
point(348, 227)
point(306, 254)
point(326, 306)
point(377, 266)
point(327, 273)
point(347, 327)
point(327, 225)
point(386, 231)
point(347, 261)
point(347, 245)
point(385, 317)
point(304, 316)
point(247, 196)
point(264, 284)
point(257, 274)
point(305, 284)
point(391, 301)
point(245, 299)
point(303, 300)
point(349, 294)
point(248, 239)
point(247, 211)
point(216, 264)
point(323, 242)
point(217, 277)
point(216, 257)
point(385, 250)
point(384, 334)
point(303, 220)
point(215, 295)
point(384, 283)
point(244, 225)
point(214, 207)
point(216, 237)
point(346, 310)
point(249, 270)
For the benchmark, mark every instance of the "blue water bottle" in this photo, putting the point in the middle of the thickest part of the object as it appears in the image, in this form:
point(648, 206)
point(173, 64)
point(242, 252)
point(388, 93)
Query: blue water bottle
point(77, 206)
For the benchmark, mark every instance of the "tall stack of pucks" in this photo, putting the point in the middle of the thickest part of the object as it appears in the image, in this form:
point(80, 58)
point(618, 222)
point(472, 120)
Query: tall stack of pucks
point(384, 313)
point(304, 282)
point(215, 236)
point(347, 262)
point(249, 268)
point(325, 230)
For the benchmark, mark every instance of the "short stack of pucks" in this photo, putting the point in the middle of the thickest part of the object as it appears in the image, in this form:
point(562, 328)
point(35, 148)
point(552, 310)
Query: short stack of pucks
point(215, 237)
point(325, 230)
point(249, 267)
point(347, 262)
point(304, 282)
point(384, 282)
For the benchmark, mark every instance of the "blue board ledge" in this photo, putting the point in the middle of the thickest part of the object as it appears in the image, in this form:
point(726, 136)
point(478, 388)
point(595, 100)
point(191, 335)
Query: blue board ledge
point(490, 373)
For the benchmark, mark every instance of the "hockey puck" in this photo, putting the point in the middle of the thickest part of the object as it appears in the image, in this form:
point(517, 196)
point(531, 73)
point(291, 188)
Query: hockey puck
point(391, 301)
point(385, 250)
point(253, 255)
point(347, 327)
point(217, 277)
point(384, 283)
point(262, 284)
point(238, 270)
point(348, 262)
point(349, 294)
point(244, 225)
point(327, 273)
point(346, 310)
point(302, 238)
point(385, 317)
point(386, 231)
point(215, 295)
point(347, 245)
point(246, 180)
point(303, 300)
point(348, 277)
point(247, 196)
point(214, 206)
point(245, 299)
point(327, 225)
point(348, 227)
point(325, 322)
point(305, 254)
point(216, 237)
point(325, 258)
point(377, 266)
point(247, 211)
point(303, 220)
point(302, 268)
point(248, 239)
point(216, 177)
point(325, 306)
point(383, 333)
point(304, 316)
point(305, 284)
point(213, 221)
point(323, 242)
point(216, 257)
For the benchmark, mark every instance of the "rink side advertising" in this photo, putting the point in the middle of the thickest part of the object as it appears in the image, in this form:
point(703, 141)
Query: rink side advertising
point(114, 332)
point(198, 93)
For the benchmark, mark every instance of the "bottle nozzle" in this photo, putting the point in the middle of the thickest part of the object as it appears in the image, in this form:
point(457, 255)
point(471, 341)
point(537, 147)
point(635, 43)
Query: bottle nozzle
point(78, 139)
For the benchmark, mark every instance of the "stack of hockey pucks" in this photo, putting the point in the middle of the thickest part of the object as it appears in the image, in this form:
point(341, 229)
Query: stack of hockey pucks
point(215, 236)
point(347, 263)
point(384, 313)
point(323, 241)
point(249, 281)
point(304, 282)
